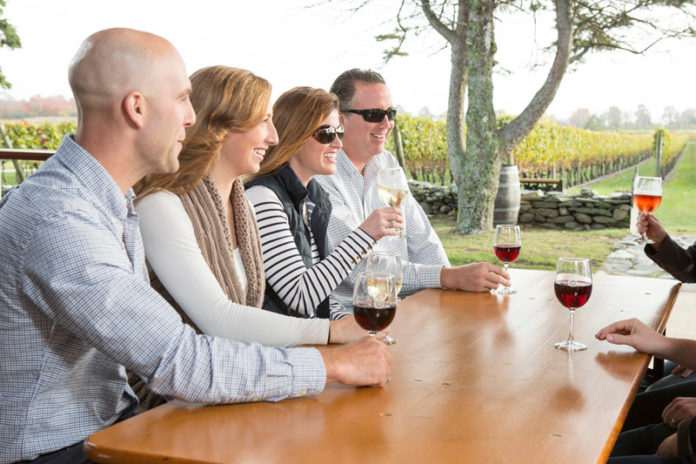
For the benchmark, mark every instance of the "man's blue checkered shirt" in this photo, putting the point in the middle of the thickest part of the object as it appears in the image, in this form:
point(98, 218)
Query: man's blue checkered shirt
point(76, 307)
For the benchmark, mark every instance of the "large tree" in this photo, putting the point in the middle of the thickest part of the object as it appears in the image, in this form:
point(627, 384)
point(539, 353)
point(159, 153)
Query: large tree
point(467, 27)
point(8, 38)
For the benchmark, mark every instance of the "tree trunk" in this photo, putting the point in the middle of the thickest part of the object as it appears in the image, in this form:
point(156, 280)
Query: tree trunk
point(481, 167)
point(456, 137)
point(475, 159)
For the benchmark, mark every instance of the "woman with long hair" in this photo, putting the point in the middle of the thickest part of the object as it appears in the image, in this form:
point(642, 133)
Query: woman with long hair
point(293, 210)
point(199, 232)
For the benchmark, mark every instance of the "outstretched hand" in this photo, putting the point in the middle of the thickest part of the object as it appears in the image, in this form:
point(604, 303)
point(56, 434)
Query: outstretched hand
point(474, 277)
point(634, 333)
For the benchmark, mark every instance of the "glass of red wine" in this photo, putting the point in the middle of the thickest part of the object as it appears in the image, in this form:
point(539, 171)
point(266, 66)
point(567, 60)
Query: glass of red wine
point(573, 287)
point(374, 301)
point(507, 244)
point(647, 196)
point(384, 262)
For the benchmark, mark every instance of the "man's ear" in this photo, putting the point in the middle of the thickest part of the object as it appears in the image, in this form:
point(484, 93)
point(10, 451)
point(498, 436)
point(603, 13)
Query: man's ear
point(133, 108)
point(340, 118)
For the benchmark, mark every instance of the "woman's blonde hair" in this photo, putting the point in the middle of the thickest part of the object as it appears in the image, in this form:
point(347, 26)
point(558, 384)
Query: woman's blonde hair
point(225, 100)
point(296, 115)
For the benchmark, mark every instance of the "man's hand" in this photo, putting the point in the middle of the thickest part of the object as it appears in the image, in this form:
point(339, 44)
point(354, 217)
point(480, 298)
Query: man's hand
point(649, 224)
point(680, 409)
point(475, 277)
point(668, 447)
point(365, 362)
point(634, 333)
point(346, 330)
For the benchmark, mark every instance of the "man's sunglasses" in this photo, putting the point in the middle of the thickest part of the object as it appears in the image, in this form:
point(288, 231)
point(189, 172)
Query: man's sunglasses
point(327, 134)
point(374, 114)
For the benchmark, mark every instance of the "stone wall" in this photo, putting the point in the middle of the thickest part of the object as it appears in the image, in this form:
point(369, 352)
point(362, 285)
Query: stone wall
point(585, 211)
point(435, 199)
point(551, 210)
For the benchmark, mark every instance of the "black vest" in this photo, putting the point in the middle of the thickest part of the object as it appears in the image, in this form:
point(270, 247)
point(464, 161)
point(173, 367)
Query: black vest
point(292, 194)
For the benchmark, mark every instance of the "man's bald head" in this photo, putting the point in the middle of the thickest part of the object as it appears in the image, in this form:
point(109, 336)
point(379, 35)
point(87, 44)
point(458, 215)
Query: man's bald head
point(114, 62)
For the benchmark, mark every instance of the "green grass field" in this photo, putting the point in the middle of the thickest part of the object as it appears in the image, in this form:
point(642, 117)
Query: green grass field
point(541, 248)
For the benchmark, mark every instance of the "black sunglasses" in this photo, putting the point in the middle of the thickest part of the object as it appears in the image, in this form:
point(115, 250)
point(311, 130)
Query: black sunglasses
point(327, 134)
point(374, 114)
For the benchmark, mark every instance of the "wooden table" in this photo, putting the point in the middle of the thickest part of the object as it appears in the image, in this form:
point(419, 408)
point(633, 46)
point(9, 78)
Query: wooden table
point(475, 379)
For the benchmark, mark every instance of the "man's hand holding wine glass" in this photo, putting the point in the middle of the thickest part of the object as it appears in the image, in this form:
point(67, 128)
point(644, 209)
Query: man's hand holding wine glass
point(474, 277)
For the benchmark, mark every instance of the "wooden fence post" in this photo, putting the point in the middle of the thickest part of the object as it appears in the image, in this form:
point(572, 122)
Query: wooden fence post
point(658, 152)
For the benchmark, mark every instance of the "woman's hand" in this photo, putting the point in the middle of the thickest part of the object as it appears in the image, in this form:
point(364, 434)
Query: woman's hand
point(648, 224)
point(346, 330)
point(383, 222)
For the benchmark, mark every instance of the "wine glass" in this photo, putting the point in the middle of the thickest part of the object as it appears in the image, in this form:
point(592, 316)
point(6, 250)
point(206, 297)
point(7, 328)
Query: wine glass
point(383, 262)
point(507, 243)
point(573, 287)
point(374, 301)
point(392, 188)
point(647, 196)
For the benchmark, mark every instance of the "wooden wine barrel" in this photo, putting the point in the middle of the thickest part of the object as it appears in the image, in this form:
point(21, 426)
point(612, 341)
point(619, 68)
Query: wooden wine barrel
point(507, 202)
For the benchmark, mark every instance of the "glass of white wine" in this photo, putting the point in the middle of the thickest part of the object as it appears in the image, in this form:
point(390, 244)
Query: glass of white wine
point(382, 262)
point(392, 188)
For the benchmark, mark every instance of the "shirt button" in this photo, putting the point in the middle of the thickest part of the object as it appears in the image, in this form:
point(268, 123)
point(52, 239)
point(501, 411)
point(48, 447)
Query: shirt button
point(256, 398)
point(303, 393)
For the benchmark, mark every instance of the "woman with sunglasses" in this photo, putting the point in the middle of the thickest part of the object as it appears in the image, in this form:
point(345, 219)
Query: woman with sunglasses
point(199, 231)
point(293, 210)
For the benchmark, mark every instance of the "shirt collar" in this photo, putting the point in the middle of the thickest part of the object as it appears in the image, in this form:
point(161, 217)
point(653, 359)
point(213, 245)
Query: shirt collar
point(345, 165)
point(92, 175)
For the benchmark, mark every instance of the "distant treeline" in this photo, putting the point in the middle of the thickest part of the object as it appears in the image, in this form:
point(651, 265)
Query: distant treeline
point(38, 106)
point(615, 119)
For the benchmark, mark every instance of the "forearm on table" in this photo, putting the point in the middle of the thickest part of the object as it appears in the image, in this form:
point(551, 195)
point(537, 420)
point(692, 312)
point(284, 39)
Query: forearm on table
point(679, 350)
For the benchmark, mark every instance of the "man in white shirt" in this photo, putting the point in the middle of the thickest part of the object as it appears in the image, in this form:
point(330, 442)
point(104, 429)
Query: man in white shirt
point(368, 116)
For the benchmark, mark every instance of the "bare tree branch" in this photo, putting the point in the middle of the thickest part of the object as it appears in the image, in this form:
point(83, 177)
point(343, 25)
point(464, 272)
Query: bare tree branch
point(438, 25)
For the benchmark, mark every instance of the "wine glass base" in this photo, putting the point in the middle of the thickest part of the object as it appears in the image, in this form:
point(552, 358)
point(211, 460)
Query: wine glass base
point(643, 240)
point(570, 345)
point(501, 290)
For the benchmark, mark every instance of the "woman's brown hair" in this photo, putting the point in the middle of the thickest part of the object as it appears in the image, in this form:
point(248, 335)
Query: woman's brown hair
point(225, 100)
point(296, 115)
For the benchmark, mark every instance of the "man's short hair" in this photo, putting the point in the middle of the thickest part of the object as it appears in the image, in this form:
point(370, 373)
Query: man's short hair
point(344, 85)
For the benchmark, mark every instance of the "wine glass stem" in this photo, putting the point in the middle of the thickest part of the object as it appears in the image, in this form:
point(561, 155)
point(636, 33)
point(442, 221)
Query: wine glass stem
point(372, 333)
point(505, 266)
point(572, 317)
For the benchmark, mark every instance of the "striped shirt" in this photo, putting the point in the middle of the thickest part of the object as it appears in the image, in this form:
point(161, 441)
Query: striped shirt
point(354, 197)
point(77, 308)
point(300, 287)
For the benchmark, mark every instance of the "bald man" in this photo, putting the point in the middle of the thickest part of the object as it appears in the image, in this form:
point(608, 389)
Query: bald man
point(77, 308)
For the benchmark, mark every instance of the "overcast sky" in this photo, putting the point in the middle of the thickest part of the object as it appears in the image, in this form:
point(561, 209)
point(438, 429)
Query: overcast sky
point(291, 45)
